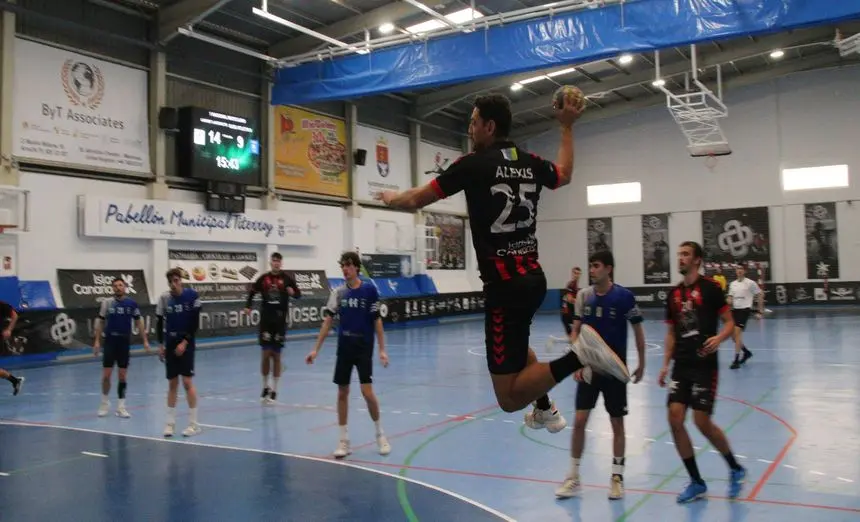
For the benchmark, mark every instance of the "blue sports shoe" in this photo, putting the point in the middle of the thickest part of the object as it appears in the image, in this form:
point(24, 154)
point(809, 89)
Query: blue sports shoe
point(736, 482)
point(693, 491)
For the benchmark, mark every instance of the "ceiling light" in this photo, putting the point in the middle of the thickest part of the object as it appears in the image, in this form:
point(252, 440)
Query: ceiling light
point(625, 58)
point(659, 83)
point(516, 87)
point(533, 79)
point(561, 72)
point(777, 54)
point(458, 17)
point(386, 28)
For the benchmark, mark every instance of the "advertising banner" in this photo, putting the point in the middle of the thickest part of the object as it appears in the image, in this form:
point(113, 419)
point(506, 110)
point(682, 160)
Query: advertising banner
point(737, 236)
point(101, 216)
point(655, 248)
point(217, 276)
point(310, 152)
point(386, 265)
point(388, 166)
point(402, 309)
point(72, 109)
point(822, 242)
point(433, 160)
point(88, 288)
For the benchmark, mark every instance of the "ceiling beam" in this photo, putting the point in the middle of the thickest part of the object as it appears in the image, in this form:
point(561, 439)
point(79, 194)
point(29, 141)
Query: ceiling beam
point(431, 102)
point(618, 109)
point(183, 13)
point(369, 20)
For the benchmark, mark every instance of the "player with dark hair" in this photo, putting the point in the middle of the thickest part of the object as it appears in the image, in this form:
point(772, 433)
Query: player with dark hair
point(607, 307)
point(357, 305)
point(693, 311)
point(740, 295)
point(568, 301)
point(115, 320)
point(275, 287)
point(178, 314)
point(8, 318)
point(503, 184)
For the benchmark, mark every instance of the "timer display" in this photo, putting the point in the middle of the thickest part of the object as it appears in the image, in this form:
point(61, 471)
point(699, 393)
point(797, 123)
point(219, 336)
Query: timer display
point(219, 147)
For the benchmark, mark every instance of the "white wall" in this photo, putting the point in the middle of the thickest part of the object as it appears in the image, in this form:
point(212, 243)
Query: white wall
point(801, 120)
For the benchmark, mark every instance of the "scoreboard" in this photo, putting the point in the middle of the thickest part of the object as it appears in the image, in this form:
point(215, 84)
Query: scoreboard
point(215, 146)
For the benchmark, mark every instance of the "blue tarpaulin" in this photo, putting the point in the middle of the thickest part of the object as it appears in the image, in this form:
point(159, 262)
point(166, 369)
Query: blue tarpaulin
point(570, 38)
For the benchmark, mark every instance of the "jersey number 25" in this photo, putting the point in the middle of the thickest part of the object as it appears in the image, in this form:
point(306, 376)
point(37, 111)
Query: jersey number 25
point(528, 192)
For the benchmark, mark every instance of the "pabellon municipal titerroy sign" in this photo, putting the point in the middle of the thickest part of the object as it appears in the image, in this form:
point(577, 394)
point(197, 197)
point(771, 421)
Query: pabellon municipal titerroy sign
point(157, 219)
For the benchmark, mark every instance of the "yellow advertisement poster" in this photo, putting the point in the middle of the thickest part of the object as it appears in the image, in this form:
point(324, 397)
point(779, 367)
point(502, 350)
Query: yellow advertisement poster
point(310, 152)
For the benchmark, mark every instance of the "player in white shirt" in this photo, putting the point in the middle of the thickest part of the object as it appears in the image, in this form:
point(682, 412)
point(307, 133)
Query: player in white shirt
point(742, 292)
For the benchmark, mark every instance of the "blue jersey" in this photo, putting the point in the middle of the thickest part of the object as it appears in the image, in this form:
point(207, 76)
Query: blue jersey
point(118, 315)
point(358, 309)
point(608, 314)
point(180, 314)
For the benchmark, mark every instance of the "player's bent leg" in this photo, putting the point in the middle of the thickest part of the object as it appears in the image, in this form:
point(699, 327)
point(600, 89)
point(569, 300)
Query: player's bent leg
point(373, 408)
point(265, 367)
point(696, 489)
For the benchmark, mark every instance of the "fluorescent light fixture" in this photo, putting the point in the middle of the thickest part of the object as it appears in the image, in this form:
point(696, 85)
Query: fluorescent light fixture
point(811, 178)
point(625, 58)
point(386, 28)
point(516, 87)
point(776, 54)
point(659, 83)
point(458, 17)
point(532, 80)
point(614, 193)
point(561, 72)
point(296, 27)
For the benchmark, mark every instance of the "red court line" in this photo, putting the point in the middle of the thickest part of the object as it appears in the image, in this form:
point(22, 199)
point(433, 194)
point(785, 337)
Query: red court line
point(593, 486)
point(419, 429)
point(779, 457)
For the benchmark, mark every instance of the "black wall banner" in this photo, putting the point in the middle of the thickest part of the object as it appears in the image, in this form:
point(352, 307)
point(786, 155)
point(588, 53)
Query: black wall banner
point(88, 288)
point(312, 283)
point(599, 235)
point(216, 275)
point(402, 309)
point(822, 245)
point(655, 248)
point(740, 235)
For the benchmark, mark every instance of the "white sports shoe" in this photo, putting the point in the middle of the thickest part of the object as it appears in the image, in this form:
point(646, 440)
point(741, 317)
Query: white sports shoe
point(168, 430)
point(616, 488)
point(191, 430)
point(342, 449)
point(384, 446)
point(104, 407)
point(569, 488)
point(123, 413)
point(550, 419)
point(593, 351)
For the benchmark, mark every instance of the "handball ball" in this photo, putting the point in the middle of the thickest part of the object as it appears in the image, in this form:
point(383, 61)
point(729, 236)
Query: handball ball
point(558, 97)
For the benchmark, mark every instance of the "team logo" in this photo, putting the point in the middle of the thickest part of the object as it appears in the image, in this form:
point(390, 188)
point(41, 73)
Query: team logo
point(736, 238)
point(655, 222)
point(382, 164)
point(63, 330)
point(84, 84)
point(439, 164)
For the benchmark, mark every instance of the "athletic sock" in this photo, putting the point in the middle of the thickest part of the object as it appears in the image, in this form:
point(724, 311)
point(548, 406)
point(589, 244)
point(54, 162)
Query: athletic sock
point(618, 466)
point(265, 381)
point(171, 415)
point(344, 433)
point(574, 467)
point(564, 366)
point(693, 470)
point(730, 460)
point(379, 431)
point(543, 403)
point(192, 415)
point(275, 383)
point(120, 389)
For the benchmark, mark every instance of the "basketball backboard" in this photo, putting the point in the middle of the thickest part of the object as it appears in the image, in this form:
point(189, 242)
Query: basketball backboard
point(14, 209)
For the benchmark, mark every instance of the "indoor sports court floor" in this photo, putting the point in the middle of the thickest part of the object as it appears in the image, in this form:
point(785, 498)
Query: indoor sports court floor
point(792, 414)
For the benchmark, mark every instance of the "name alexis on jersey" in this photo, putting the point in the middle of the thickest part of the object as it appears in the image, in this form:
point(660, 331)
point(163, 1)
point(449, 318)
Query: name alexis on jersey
point(514, 173)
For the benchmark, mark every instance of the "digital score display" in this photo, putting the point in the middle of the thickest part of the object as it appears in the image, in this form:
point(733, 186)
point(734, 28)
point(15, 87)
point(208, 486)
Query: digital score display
point(219, 147)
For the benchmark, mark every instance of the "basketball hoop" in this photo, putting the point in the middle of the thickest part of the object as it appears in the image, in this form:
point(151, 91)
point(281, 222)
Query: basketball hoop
point(711, 162)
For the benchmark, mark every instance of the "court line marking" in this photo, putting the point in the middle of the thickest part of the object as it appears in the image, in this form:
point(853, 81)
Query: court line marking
point(162, 440)
point(3, 474)
point(217, 427)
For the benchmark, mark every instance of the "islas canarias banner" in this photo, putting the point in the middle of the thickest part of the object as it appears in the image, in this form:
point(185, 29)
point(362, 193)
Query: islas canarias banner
point(310, 152)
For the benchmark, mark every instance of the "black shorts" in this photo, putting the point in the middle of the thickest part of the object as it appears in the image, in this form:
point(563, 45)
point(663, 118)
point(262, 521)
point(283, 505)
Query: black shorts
point(117, 351)
point(176, 365)
point(361, 360)
point(273, 329)
point(510, 307)
point(741, 316)
point(694, 386)
point(614, 395)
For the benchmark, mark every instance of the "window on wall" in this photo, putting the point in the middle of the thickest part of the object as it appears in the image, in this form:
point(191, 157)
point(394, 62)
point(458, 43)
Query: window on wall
point(810, 178)
point(614, 193)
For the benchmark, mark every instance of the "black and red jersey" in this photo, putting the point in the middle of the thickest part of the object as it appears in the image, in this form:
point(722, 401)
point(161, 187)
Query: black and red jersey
point(272, 288)
point(694, 313)
point(502, 184)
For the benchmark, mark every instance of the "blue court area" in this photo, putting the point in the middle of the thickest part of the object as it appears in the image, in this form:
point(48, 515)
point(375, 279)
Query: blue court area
point(792, 415)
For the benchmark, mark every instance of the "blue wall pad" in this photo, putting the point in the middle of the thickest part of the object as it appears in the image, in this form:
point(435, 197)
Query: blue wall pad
point(425, 284)
point(397, 287)
point(567, 38)
point(10, 291)
point(37, 295)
